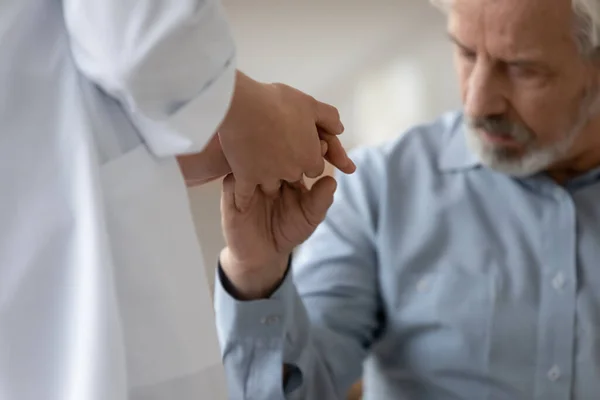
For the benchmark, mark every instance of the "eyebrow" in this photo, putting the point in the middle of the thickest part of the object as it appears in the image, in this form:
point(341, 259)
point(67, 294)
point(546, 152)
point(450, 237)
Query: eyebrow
point(518, 61)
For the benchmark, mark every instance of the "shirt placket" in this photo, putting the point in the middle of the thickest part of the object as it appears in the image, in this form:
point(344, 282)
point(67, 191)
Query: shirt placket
point(556, 326)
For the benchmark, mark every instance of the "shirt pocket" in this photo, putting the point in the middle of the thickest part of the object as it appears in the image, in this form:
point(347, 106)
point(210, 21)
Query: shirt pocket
point(457, 296)
point(445, 317)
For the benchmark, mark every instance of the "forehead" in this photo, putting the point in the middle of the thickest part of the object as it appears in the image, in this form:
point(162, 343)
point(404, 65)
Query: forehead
point(509, 26)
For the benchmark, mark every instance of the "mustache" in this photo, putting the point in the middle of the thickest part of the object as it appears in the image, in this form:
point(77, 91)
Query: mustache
point(500, 126)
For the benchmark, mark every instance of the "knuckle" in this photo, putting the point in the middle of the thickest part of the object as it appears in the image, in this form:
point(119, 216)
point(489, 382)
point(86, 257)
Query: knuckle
point(316, 163)
point(335, 112)
point(312, 103)
point(294, 176)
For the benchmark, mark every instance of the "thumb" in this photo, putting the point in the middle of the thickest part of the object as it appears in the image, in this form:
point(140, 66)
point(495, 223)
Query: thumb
point(227, 193)
point(317, 200)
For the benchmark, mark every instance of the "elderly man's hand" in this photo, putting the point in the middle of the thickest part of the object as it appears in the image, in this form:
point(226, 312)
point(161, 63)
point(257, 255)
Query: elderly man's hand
point(261, 238)
point(272, 133)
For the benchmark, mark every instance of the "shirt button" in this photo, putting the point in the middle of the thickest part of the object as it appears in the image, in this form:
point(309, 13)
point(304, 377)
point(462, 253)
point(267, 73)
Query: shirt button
point(423, 285)
point(559, 281)
point(270, 320)
point(554, 373)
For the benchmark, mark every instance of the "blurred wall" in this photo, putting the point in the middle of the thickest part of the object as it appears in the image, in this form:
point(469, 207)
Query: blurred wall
point(385, 64)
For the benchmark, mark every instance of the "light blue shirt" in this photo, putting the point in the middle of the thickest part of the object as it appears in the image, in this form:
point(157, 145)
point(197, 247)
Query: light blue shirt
point(453, 281)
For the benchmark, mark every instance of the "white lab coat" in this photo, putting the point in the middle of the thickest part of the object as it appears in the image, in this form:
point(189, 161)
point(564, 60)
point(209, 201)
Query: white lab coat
point(103, 295)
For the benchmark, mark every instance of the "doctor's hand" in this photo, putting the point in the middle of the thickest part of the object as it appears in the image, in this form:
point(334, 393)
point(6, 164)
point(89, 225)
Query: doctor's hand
point(261, 238)
point(272, 133)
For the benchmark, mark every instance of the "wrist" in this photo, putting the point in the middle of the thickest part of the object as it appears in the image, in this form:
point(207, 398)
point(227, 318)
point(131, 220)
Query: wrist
point(253, 280)
point(253, 105)
point(245, 95)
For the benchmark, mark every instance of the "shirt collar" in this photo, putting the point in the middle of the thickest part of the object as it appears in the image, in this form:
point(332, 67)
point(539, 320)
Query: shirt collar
point(589, 178)
point(456, 155)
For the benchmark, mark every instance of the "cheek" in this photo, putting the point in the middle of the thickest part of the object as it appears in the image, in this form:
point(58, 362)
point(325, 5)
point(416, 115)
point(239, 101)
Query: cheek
point(463, 71)
point(548, 117)
point(552, 109)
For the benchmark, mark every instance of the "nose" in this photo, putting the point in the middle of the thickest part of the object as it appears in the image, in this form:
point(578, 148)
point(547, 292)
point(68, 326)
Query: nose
point(484, 94)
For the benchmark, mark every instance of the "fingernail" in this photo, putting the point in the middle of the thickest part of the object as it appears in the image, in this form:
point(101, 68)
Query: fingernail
point(351, 163)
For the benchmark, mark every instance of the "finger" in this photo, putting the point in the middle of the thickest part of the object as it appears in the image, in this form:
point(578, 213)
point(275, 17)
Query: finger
point(299, 186)
point(328, 118)
point(336, 154)
point(243, 194)
point(227, 193)
point(271, 188)
point(316, 166)
point(191, 183)
point(317, 201)
point(324, 147)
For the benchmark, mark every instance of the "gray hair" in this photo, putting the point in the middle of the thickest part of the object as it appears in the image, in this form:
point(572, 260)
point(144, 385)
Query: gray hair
point(586, 27)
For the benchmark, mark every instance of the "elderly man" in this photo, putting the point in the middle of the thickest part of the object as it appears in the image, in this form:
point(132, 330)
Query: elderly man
point(462, 260)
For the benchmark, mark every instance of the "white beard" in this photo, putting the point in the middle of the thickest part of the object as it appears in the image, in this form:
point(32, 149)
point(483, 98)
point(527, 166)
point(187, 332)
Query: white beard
point(534, 160)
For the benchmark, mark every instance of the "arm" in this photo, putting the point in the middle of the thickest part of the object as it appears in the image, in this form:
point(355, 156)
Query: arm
point(319, 323)
point(171, 64)
point(252, 109)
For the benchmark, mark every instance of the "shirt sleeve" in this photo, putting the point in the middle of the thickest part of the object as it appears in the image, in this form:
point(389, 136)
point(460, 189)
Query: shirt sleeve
point(322, 320)
point(170, 63)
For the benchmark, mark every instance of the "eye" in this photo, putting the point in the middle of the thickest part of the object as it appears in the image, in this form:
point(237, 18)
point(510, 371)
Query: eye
point(520, 71)
point(466, 54)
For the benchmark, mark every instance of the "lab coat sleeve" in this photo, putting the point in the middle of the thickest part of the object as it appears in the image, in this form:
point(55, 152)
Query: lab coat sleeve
point(170, 63)
point(320, 322)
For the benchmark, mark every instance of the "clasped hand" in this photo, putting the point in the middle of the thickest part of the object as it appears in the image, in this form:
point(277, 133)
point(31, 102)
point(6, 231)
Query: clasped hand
point(285, 135)
point(276, 133)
